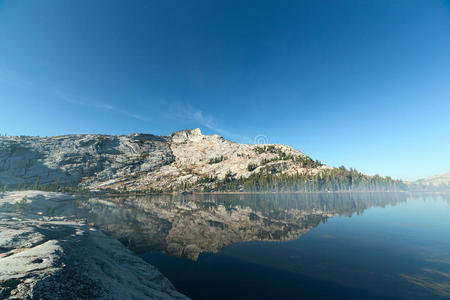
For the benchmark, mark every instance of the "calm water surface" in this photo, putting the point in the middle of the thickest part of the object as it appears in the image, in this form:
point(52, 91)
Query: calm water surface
point(352, 246)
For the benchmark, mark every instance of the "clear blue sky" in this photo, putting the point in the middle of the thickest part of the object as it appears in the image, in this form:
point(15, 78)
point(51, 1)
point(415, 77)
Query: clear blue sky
point(364, 84)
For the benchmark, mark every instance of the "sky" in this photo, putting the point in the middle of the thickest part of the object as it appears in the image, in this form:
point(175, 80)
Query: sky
point(364, 84)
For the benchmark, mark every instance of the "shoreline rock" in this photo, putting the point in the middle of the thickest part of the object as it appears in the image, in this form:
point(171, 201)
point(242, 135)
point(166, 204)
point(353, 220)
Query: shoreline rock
point(44, 257)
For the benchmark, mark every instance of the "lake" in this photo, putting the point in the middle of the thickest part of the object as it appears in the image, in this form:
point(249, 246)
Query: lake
point(287, 246)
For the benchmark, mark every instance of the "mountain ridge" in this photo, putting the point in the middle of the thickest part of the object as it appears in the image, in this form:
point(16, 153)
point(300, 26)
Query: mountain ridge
point(185, 160)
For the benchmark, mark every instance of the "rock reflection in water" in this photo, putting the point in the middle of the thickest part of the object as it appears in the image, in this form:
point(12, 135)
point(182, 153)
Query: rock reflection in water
point(187, 225)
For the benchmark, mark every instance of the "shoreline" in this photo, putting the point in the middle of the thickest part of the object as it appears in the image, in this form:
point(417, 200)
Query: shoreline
point(138, 193)
point(257, 193)
point(59, 257)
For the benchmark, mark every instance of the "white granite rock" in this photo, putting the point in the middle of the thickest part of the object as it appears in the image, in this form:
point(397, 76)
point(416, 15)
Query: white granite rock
point(136, 162)
point(67, 259)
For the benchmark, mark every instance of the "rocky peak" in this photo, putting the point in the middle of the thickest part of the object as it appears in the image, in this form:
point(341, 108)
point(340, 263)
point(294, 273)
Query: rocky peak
point(187, 135)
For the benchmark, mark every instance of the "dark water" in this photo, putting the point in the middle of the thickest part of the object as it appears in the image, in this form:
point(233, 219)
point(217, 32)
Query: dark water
point(348, 246)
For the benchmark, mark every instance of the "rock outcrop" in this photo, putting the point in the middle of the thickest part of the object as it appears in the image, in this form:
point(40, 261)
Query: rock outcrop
point(139, 161)
point(45, 257)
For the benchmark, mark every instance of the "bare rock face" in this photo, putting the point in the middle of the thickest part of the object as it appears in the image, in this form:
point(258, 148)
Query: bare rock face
point(57, 258)
point(186, 135)
point(80, 160)
point(138, 161)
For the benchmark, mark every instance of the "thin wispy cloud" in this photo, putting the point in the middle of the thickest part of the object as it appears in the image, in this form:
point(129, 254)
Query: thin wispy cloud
point(96, 104)
point(189, 114)
point(185, 113)
point(66, 98)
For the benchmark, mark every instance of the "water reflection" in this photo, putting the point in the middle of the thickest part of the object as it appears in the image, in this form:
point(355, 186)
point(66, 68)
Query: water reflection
point(187, 225)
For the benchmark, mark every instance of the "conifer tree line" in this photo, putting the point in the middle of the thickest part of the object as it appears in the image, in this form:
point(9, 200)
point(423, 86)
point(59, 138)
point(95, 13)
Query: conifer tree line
point(337, 179)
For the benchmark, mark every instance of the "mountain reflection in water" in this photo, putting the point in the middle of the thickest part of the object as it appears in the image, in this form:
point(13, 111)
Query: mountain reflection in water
point(184, 226)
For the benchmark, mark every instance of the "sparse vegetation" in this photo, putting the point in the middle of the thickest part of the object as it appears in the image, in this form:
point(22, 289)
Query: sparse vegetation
point(206, 179)
point(267, 149)
point(252, 167)
point(302, 160)
point(22, 205)
point(36, 183)
point(217, 159)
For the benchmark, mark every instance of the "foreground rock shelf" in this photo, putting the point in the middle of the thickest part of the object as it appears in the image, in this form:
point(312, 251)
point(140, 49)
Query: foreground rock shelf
point(44, 257)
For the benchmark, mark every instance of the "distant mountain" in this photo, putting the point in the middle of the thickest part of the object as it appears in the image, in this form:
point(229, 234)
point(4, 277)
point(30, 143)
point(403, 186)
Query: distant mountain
point(185, 160)
point(439, 180)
